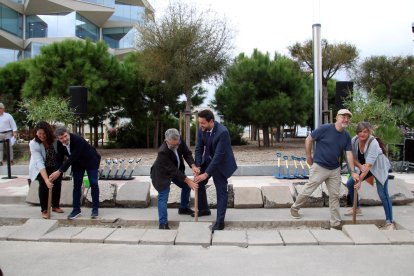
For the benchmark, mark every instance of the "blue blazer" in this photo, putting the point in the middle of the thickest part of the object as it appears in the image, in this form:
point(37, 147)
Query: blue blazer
point(83, 155)
point(222, 154)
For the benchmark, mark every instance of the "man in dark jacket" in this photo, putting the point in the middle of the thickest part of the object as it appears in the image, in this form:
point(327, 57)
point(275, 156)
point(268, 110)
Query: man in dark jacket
point(169, 167)
point(82, 157)
point(214, 155)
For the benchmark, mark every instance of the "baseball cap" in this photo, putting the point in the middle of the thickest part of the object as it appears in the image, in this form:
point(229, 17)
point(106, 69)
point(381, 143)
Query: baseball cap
point(345, 112)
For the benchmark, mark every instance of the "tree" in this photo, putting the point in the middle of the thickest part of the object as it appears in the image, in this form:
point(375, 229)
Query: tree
point(183, 48)
point(390, 77)
point(74, 62)
point(334, 58)
point(264, 92)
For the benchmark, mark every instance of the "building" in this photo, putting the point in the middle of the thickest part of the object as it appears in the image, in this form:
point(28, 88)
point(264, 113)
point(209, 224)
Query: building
point(26, 25)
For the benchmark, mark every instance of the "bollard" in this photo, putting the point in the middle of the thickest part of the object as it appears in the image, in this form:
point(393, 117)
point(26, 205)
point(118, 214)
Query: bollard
point(7, 146)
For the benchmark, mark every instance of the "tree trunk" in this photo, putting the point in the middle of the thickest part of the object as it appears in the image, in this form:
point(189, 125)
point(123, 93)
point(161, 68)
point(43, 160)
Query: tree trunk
point(156, 130)
point(266, 142)
point(278, 134)
point(95, 135)
point(254, 133)
point(187, 118)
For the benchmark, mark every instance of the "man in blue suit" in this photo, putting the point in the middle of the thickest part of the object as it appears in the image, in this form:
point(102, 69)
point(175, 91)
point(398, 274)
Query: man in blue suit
point(82, 157)
point(214, 156)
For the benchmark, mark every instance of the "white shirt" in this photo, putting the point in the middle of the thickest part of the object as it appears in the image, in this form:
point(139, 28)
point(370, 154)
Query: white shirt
point(7, 122)
point(178, 158)
point(68, 148)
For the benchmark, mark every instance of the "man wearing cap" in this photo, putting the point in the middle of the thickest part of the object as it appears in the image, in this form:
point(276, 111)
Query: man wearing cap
point(331, 140)
point(8, 129)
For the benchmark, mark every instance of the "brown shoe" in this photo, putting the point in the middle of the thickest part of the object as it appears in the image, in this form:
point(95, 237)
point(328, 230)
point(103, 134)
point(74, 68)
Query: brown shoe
point(44, 215)
point(11, 162)
point(58, 210)
point(1, 163)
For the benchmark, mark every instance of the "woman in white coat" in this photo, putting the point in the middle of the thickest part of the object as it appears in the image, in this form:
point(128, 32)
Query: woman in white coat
point(43, 162)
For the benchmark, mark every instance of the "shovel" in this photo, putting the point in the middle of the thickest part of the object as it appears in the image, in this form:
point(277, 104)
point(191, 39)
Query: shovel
point(49, 203)
point(354, 206)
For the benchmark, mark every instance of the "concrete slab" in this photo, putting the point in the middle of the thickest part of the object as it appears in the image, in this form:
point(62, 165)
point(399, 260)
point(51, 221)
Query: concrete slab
point(399, 236)
point(263, 238)
point(159, 237)
point(331, 237)
point(33, 230)
point(174, 197)
point(297, 237)
point(125, 236)
point(343, 192)
point(248, 197)
point(66, 194)
point(365, 234)
point(107, 195)
point(93, 235)
point(368, 195)
point(212, 195)
point(62, 234)
point(315, 200)
point(399, 193)
point(33, 194)
point(230, 237)
point(194, 233)
point(7, 230)
point(277, 197)
point(133, 195)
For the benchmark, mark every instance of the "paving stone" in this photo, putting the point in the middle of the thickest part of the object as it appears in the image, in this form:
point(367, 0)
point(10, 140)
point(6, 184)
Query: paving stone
point(343, 193)
point(248, 197)
point(93, 235)
point(33, 194)
point(277, 197)
point(399, 236)
point(62, 234)
point(7, 230)
point(365, 234)
point(33, 230)
point(297, 237)
point(159, 237)
point(263, 238)
point(230, 237)
point(331, 237)
point(368, 195)
point(316, 198)
point(66, 193)
point(212, 195)
point(194, 233)
point(399, 193)
point(134, 195)
point(107, 195)
point(126, 236)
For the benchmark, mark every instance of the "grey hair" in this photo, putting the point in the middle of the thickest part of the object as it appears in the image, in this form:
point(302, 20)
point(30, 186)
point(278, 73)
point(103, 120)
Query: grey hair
point(60, 130)
point(172, 134)
point(1, 105)
point(363, 125)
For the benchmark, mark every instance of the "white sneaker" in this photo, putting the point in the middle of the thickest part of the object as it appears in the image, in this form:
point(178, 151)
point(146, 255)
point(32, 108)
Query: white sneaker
point(389, 226)
point(350, 212)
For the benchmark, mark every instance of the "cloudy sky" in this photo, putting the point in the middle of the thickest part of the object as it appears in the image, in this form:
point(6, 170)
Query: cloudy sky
point(374, 27)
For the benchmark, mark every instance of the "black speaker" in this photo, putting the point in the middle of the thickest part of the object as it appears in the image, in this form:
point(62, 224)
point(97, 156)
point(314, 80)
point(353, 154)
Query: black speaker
point(409, 150)
point(78, 99)
point(343, 90)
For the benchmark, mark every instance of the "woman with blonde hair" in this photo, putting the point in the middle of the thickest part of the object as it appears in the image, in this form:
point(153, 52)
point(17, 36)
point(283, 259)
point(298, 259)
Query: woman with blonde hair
point(371, 162)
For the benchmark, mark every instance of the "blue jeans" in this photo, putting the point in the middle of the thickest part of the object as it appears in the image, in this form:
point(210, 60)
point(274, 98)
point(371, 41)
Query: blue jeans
point(77, 187)
point(163, 200)
point(382, 191)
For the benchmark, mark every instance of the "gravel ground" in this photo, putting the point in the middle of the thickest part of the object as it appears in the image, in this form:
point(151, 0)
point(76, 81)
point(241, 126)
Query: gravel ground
point(248, 154)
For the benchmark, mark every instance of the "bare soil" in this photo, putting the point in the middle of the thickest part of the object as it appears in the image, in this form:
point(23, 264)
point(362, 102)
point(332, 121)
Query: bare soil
point(250, 154)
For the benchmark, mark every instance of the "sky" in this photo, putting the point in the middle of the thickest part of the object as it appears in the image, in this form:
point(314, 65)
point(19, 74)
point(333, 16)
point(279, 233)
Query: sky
point(374, 27)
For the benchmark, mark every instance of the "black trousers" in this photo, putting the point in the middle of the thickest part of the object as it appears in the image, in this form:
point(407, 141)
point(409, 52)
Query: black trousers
point(44, 190)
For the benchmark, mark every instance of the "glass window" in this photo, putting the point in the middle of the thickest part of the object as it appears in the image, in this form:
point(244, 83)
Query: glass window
point(8, 55)
point(119, 38)
point(106, 3)
point(56, 25)
point(128, 13)
point(86, 29)
point(32, 50)
point(11, 21)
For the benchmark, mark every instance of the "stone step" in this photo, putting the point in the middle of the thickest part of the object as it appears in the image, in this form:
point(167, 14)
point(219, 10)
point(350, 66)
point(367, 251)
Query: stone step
point(33, 230)
point(194, 233)
point(365, 234)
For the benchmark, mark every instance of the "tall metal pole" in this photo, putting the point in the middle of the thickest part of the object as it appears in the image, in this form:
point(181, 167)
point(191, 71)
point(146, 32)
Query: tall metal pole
point(317, 74)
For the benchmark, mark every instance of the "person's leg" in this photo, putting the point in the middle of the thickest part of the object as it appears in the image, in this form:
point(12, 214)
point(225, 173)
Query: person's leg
point(9, 135)
point(185, 193)
point(57, 186)
point(385, 198)
point(220, 182)
point(77, 176)
point(162, 205)
point(93, 181)
point(202, 196)
point(2, 137)
point(316, 176)
point(43, 193)
point(333, 184)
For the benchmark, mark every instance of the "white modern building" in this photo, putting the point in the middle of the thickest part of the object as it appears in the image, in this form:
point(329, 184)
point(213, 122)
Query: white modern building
point(26, 25)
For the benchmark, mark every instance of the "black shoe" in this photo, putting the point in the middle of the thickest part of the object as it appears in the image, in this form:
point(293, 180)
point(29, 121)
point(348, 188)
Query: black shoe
point(202, 213)
point(164, 226)
point(185, 211)
point(217, 226)
point(94, 214)
point(74, 214)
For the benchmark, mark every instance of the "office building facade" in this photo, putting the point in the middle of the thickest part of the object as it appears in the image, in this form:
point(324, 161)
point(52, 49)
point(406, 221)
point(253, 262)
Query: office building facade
point(26, 25)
